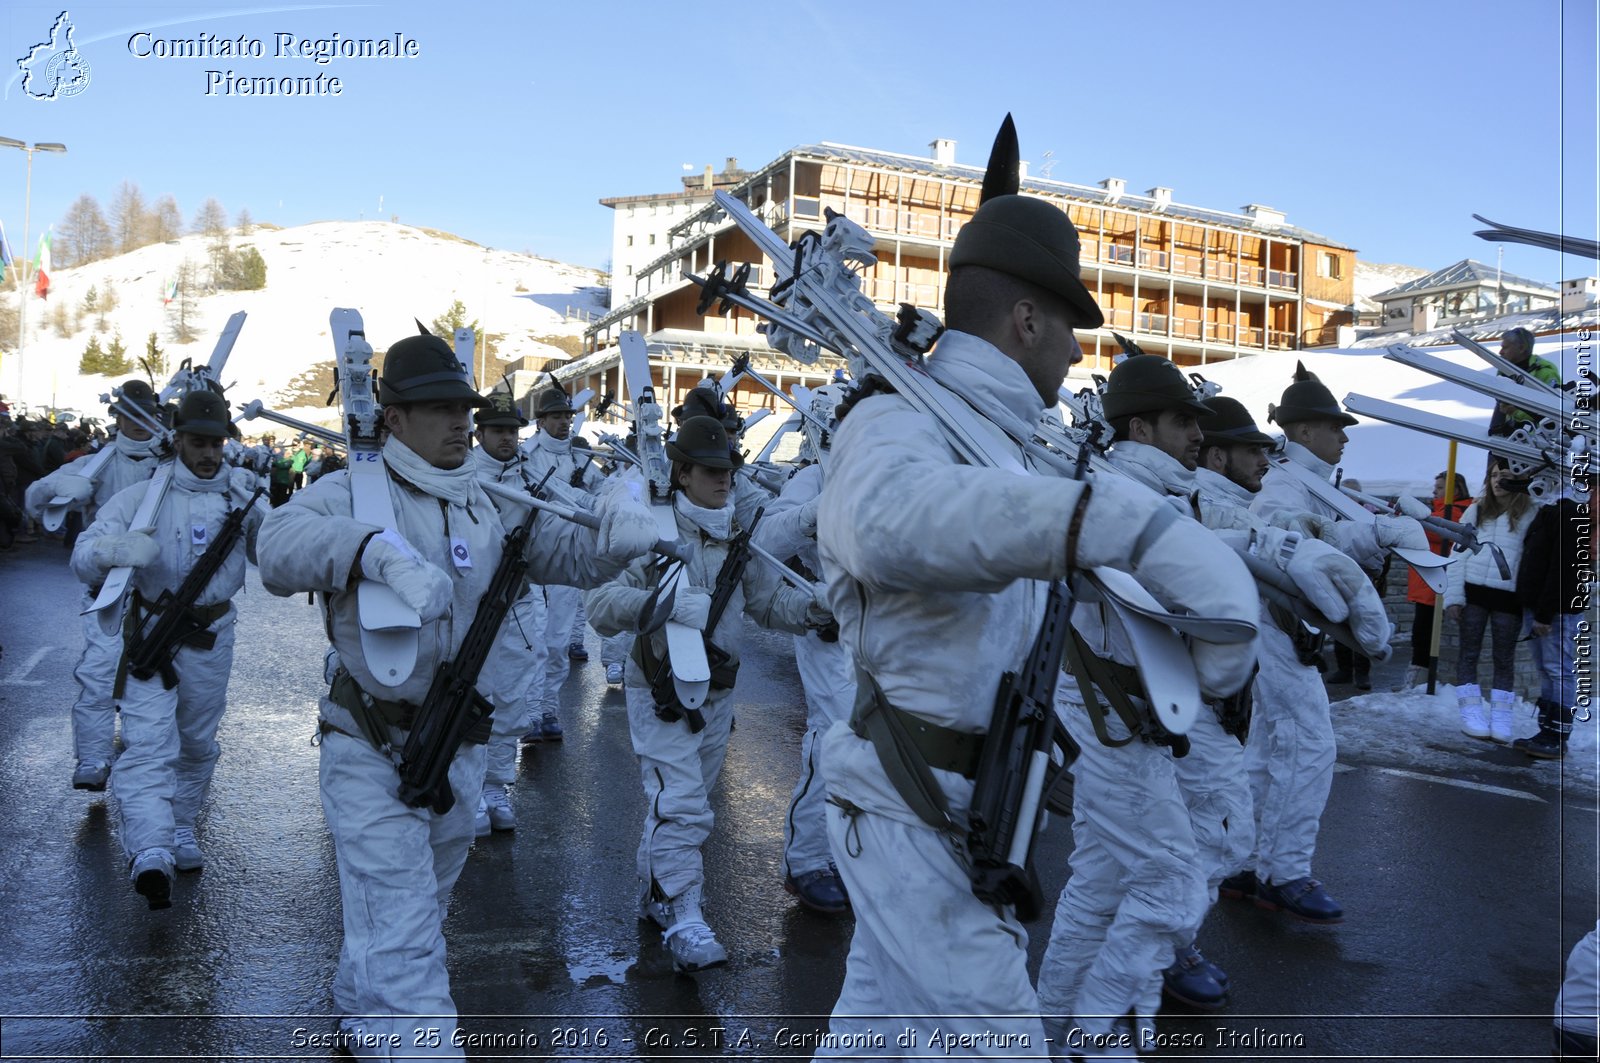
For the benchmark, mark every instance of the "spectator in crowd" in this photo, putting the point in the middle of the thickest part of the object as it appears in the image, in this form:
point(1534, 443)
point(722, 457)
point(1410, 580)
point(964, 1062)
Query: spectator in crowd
point(1480, 597)
point(1419, 594)
point(1516, 347)
point(1553, 587)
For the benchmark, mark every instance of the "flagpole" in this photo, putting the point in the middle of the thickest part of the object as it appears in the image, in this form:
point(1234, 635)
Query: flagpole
point(27, 207)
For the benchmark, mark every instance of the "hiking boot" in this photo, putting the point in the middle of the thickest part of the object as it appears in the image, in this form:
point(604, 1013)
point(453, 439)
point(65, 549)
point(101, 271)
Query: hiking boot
point(91, 776)
point(1240, 887)
point(1189, 981)
point(480, 821)
point(614, 674)
point(576, 652)
point(820, 890)
point(151, 874)
point(1546, 745)
point(1303, 898)
point(501, 815)
point(1338, 678)
point(186, 854)
point(684, 931)
point(550, 727)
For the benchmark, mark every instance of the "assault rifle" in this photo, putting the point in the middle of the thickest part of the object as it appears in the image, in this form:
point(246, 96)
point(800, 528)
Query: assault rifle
point(1008, 789)
point(668, 707)
point(453, 707)
point(153, 646)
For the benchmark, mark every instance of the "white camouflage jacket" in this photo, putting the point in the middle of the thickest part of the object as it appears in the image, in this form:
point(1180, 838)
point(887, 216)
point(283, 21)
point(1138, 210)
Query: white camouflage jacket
point(130, 463)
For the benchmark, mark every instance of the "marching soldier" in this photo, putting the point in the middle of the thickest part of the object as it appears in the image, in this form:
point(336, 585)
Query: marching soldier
point(679, 762)
point(936, 620)
point(169, 722)
point(398, 863)
point(135, 454)
point(1291, 751)
point(573, 473)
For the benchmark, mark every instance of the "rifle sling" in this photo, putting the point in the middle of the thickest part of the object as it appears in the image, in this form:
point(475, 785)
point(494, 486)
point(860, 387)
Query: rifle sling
point(909, 747)
point(1114, 681)
point(374, 715)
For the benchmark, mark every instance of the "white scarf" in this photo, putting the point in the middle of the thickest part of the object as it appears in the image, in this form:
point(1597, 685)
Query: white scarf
point(185, 480)
point(136, 449)
point(1153, 467)
point(491, 467)
point(717, 523)
point(453, 485)
point(548, 442)
point(1298, 454)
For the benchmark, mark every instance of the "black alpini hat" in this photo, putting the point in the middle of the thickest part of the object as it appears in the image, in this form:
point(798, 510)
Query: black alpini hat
point(553, 399)
point(703, 441)
point(203, 413)
point(424, 369)
point(1308, 399)
point(1027, 237)
point(1230, 424)
point(501, 412)
point(1147, 383)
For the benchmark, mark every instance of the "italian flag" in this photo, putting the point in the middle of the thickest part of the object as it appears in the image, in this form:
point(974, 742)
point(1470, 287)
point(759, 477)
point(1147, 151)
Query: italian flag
point(41, 286)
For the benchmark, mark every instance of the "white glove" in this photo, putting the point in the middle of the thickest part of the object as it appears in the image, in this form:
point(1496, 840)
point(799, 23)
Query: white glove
point(70, 485)
point(808, 517)
point(1182, 563)
point(818, 616)
point(1400, 531)
point(819, 595)
point(691, 607)
point(1340, 590)
point(127, 550)
point(422, 585)
point(627, 529)
point(1413, 507)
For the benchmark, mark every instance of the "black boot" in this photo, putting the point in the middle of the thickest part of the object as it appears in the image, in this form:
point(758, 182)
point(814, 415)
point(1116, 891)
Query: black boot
point(1555, 725)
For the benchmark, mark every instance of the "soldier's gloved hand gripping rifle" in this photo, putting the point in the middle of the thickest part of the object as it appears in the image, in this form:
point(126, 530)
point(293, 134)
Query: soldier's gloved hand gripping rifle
point(157, 630)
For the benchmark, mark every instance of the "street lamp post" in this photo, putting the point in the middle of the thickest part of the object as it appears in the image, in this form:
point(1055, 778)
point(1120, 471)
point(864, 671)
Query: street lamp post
point(22, 273)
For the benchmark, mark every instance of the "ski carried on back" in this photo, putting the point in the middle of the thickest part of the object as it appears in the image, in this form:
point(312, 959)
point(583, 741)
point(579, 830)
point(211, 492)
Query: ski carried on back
point(1540, 400)
point(1504, 365)
point(691, 673)
point(389, 626)
point(108, 602)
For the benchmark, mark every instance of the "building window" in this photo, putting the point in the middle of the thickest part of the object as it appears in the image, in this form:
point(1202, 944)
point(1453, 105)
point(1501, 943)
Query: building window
point(652, 238)
point(1328, 265)
point(630, 241)
point(627, 271)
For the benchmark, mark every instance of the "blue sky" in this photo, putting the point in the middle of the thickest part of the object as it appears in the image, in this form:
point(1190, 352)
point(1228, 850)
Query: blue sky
point(1384, 125)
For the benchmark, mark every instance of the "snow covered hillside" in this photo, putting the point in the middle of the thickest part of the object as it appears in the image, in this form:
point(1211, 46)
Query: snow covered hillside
point(392, 273)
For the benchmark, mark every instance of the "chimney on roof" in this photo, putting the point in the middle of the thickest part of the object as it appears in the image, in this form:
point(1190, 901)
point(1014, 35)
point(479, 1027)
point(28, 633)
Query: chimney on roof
point(1263, 217)
point(706, 182)
point(1022, 170)
point(1162, 196)
point(731, 165)
point(1114, 187)
point(944, 151)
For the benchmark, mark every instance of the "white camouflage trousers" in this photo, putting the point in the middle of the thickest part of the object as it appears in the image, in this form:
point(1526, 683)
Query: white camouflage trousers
point(926, 954)
point(397, 866)
point(170, 744)
point(561, 605)
point(1216, 790)
point(515, 664)
point(1290, 759)
point(679, 769)
point(827, 672)
point(94, 714)
point(1137, 889)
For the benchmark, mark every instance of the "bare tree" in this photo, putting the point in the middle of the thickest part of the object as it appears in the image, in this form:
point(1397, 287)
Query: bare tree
point(210, 219)
point(167, 221)
point(182, 312)
point(244, 223)
point(83, 235)
point(130, 220)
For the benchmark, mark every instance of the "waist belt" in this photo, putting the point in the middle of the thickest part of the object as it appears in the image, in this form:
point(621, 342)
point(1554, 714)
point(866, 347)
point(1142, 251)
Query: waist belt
point(908, 747)
point(371, 713)
point(206, 614)
point(939, 747)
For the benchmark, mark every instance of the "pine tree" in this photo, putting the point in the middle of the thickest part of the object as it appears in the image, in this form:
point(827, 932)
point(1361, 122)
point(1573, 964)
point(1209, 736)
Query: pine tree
point(155, 359)
point(93, 362)
point(117, 359)
point(181, 313)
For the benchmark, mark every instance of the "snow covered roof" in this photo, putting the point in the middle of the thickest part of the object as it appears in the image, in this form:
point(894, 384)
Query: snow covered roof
point(1466, 273)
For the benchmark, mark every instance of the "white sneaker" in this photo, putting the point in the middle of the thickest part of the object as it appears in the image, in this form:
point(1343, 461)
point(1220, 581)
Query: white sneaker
point(1501, 716)
point(614, 674)
point(186, 852)
point(498, 804)
point(151, 874)
point(1474, 718)
point(693, 946)
point(480, 822)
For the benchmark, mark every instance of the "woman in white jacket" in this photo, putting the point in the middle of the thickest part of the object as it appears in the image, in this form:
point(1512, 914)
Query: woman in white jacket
point(1479, 597)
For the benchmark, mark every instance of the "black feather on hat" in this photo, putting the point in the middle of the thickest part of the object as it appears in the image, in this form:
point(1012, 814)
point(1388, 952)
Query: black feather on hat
point(1308, 399)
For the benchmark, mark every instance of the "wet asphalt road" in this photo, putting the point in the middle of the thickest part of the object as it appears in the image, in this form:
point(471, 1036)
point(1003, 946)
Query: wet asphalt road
point(1462, 902)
